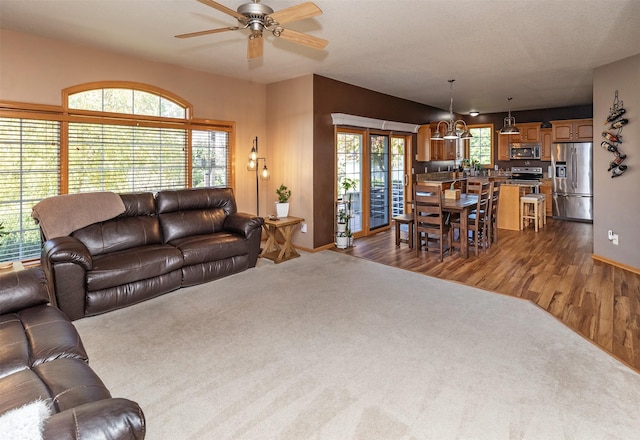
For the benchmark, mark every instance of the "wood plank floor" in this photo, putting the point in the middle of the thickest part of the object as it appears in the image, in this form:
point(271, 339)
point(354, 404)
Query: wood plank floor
point(552, 268)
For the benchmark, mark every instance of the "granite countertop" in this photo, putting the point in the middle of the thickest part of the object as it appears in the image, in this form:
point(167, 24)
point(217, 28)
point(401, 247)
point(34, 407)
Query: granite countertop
point(443, 176)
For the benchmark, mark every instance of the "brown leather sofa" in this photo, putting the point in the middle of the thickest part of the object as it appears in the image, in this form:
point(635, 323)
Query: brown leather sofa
point(42, 357)
point(177, 238)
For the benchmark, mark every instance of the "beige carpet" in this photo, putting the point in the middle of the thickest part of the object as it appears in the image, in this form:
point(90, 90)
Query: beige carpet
point(329, 346)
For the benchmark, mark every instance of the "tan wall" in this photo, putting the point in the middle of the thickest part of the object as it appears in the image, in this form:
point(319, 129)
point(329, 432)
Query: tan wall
point(616, 201)
point(35, 70)
point(290, 132)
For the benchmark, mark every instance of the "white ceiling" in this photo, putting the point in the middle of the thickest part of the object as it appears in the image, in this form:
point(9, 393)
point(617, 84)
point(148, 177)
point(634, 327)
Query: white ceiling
point(540, 52)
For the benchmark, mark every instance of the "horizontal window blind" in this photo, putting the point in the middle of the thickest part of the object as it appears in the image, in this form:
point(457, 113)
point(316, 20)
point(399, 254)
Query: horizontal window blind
point(123, 158)
point(211, 159)
point(29, 172)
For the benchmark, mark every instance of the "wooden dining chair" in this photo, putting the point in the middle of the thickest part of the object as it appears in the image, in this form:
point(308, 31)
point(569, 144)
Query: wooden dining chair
point(429, 221)
point(493, 209)
point(477, 222)
point(474, 187)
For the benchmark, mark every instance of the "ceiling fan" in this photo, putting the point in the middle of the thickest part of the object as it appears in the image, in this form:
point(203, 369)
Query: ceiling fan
point(258, 17)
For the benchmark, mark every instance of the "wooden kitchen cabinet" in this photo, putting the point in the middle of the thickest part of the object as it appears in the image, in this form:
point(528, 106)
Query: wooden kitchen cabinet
point(546, 136)
point(428, 150)
point(572, 130)
point(423, 149)
point(445, 149)
point(529, 132)
point(503, 145)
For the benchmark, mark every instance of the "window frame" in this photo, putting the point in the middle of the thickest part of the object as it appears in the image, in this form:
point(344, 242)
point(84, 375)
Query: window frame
point(467, 149)
point(64, 115)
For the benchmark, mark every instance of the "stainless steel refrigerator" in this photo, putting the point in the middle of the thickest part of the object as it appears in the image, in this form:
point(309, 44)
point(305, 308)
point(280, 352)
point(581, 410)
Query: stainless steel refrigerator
point(571, 164)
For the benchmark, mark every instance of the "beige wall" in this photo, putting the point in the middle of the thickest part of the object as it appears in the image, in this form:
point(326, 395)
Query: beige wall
point(290, 133)
point(616, 201)
point(35, 70)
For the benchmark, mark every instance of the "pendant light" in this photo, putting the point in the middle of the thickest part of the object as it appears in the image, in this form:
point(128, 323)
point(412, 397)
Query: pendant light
point(509, 122)
point(451, 132)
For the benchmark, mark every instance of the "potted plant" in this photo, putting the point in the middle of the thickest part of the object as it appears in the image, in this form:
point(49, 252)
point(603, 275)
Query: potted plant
point(348, 186)
point(343, 218)
point(282, 205)
point(342, 240)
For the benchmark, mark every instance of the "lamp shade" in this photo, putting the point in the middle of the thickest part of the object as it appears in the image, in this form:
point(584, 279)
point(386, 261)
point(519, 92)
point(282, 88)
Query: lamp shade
point(264, 174)
point(451, 133)
point(466, 135)
point(509, 129)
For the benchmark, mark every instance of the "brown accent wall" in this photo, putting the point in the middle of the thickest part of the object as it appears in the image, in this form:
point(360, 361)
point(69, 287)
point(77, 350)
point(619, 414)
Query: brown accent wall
point(331, 96)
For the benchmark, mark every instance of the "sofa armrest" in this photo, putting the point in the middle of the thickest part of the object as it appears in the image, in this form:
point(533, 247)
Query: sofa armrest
point(67, 250)
point(116, 418)
point(65, 261)
point(22, 289)
point(242, 223)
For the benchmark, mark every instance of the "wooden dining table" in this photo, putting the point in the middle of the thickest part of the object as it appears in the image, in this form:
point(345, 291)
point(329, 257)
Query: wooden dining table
point(463, 206)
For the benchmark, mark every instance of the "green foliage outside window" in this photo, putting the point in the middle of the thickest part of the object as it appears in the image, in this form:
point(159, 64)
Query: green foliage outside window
point(480, 146)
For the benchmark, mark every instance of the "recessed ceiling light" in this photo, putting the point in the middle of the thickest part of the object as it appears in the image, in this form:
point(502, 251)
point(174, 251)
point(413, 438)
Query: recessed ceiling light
point(474, 113)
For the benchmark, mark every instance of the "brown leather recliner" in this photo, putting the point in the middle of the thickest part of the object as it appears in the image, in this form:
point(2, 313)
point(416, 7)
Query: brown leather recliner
point(42, 357)
point(177, 238)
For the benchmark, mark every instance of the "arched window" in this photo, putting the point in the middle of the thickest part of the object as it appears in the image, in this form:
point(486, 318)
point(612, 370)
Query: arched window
point(107, 136)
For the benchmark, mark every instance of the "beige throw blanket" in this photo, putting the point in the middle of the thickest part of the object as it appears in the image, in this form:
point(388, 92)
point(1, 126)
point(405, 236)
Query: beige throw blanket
point(59, 216)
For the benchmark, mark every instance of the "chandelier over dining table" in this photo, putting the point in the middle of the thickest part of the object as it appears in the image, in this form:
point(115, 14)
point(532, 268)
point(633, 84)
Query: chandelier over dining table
point(452, 124)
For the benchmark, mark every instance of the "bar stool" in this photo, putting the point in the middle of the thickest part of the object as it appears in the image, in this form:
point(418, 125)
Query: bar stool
point(404, 219)
point(533, 207)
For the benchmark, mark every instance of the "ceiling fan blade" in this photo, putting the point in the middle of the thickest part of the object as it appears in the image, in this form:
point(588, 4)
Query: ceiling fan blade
point(222, 8)
point(294, 13)
point(255, 46)
point(210, 31)
point(304, 39)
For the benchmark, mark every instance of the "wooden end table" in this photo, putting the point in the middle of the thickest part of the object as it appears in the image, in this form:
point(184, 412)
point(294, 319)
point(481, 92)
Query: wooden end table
point(273, 250)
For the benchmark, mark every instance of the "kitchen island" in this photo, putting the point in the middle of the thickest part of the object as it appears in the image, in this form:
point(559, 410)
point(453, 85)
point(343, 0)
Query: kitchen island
point(509, 205)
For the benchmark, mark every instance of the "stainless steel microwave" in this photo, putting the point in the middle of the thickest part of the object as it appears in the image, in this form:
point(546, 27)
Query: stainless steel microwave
point(522, 150)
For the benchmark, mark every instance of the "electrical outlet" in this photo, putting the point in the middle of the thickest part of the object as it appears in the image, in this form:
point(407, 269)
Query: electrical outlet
point(303, 227)
point(615, 239)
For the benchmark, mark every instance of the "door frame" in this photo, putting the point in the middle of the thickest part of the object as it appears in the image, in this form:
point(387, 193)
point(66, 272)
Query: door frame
point(365, 182)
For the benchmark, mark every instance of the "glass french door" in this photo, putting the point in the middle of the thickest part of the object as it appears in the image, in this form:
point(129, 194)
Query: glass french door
point(377, 163)
point(379, 188)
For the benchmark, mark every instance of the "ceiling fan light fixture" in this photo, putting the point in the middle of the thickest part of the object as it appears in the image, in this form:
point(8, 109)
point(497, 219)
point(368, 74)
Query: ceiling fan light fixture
point(257, 17)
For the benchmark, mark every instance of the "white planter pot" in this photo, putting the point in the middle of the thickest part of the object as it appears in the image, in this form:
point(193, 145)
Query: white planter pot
point(342, 242)
point(342, 227)
point(282, 210)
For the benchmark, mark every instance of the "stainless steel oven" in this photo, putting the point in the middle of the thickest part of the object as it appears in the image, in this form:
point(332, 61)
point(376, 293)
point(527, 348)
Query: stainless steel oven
point(526, 176)
point(523, 150)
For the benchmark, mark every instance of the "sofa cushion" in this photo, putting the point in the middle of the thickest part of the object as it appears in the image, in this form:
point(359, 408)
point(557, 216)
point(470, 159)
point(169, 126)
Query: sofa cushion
point(71, 383)
point(198, 249)
point(21, 387)
point(137, 226)
point(36, 335)
point(22, 289)
point(194, 211)
point(116, 297)
point(122, 267)
point(176, 225)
